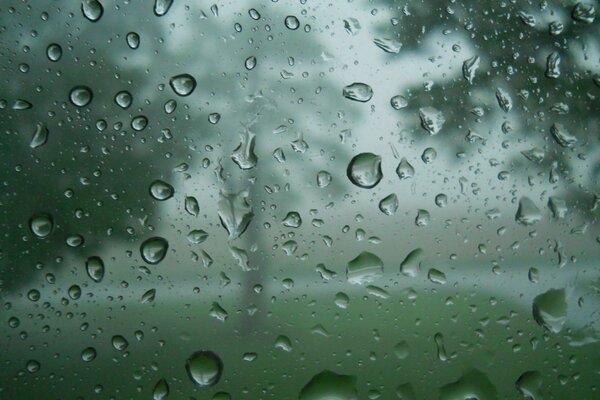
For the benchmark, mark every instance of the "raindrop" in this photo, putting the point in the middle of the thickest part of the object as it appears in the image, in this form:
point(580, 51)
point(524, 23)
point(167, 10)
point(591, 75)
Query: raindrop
point(364, 170)
point(54, 52)
point(291, 22)
point(153, 250)
point(32, 366)
point(504, 100)
point(365, 268)
point(191, 205)
point(41, 225)
point(94, 267)
point(255, 15)
point(214, 118)
point(441, 200)
point(197, 236)
point(341, 300)
point(161, 190)
point(441, 350)
point(584, 13)
point(235, 213)
point(405, 170)
point(204, 368)
point(389, 204)
point(553, 65)
point(75, 240)
point(161, 390)
point(88, 354)
point(183, 84)
point(283, 343)
point(550, 310)
point(40, 136)
point(244, 155)
point(562, 135)
point(133, 40)
point(323, 179)
point(74, 292)
point(139, 123)
point(250, 63)
point(432, 120)
point(218, 312)
point(470, 66)
point(148, 296)
point(527, 213)
point(92, 9)
point(388, 45)
point(161, 7)
point(123, 99)
point(411, 265)
point(170, 106)
point(436, 276)
point(358, 92)
point(119, 343)
point(398, 102)
point(422, 218)
point(329, 385)
point(80, 96)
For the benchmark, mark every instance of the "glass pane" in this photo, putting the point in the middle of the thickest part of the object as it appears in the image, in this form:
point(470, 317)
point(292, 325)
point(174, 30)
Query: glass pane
point(299, 200)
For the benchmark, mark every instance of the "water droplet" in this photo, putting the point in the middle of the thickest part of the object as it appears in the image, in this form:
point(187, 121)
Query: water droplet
point(191, 205)
point(504, 100)
point(170, 106)
point(398, 102)
point(283, 343)
point(556, 28)
point(41, 225)
point(341, 300)
point(74, 292)
point(235, 213)
point(123, 99)
point(527, 213)
point(432, 120)
point(148, 296)
point(441, 200)
point(358, 92)
point(352, 26)
point(365, 268)
point(436, 276)
point(472, 385)
point(92, 9)
point(389, 204)
point(406, 391)
point(388, 45)
point(218, 312)
point(161, 7)
point(153, 250)
point(204, 368)
point(422, 218)
point(323, 179)
point(161, 190)
point(244, 155)
point(215, 10)
point(88, 354)
point(255, 15)
point(562, 135)
point(441, 350)
point(328, 385)
point(411, 265)
point(291, 22)
point(584, 13)
point(133, 40)
point(75, 240)
point(21, 104)
point(529, 385)
point(119, 343)
point(250, 63)
point(364, 170)
point(197, 236)
point(54, 52)
point(550, 310)
point(40, 136)
point(32, 366)
point(292, 220)
point(405, 170)
point(401, 350)
point(214, 118)
point(183, 84)
point(94, 267)
point(553, 65)
point(161, 390)
point(80, 96)
point(470, 66)
point(429, 155)
point(139, 123)
point(558, 206)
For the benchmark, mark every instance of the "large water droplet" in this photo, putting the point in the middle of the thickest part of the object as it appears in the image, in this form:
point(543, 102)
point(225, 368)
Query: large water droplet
point(292, 220)
point(161, 390)
point(92, 9)
point(139, 123)
point(291, 22)
point(54, 52)
point(470, 66)
point(133, 40)
point(365, 268)
point(388, 45)
point(250, 63)
point(323, 179)
point(161, 190)
point(398, 102)
point(584, 13)
point(153, 250)
point(41, 225)
point(161, 7)
point(191, 205)
point(410, 266)
point(40, 136)
point(197, 236)
point(472, 385)
point(405, 170)
point(562, 135)
point(527, 213)
point(432, 120)
point(235, 212)
point(328, 385)
point(550, 310)
point(94, 267)
point(183, 84)
point(504, 100)
point(529, 384)
point(119, 343)
point(81, 96)
point(243, 155)
point(364, 170)
point(389, 204)
point(123, 99)
point(358, 92)
point(553, 65)
point(204, 368)
point(88, 354)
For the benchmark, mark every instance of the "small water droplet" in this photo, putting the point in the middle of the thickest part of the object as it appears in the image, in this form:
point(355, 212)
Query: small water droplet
point(250, 63)
point(398, 102)
point(88, 354)
point(80, 96)
point(161, 190)
point(197, 236)
point(292, 220)
point(341, 300)
point(183, 84)
point(323, 179)
point(161, 390)
point(148, 296)
point(191, 205)
point(405, 170)
point(94, 267)
point(553, 65)
point(291, 22)
point(504, 100)
point(139, 123)
point(283, 343)
point(214, 118)
point(123, 99)
point(119, 343)
point(133, 40)
point(411, 264)
point(54, 52)
point(41, 225)
point(255, 15)
point(527, 213)
point(153, 250)
point(422, 218)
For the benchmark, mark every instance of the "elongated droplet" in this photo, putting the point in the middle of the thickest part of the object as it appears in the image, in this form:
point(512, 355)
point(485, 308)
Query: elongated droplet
point(153, 250)
point(562, 135)
point(40, 136)
point(441, 350)
point(243, 155)
point(191, 205)
point(527, 213)
point(432, 120)
point(148, 296)
point(92, 9)
point(94, 267)
point(204, 368)
point(328, 385)
point(553, 65)
point(161, 7)
point(235, 213)
point(183, 84)
point(504, 100)
point(550, 310)
point(197, 236)
point(365, 268)
point(358, 92)
point(388, 45)
point(470, 66)
point(364, 170)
